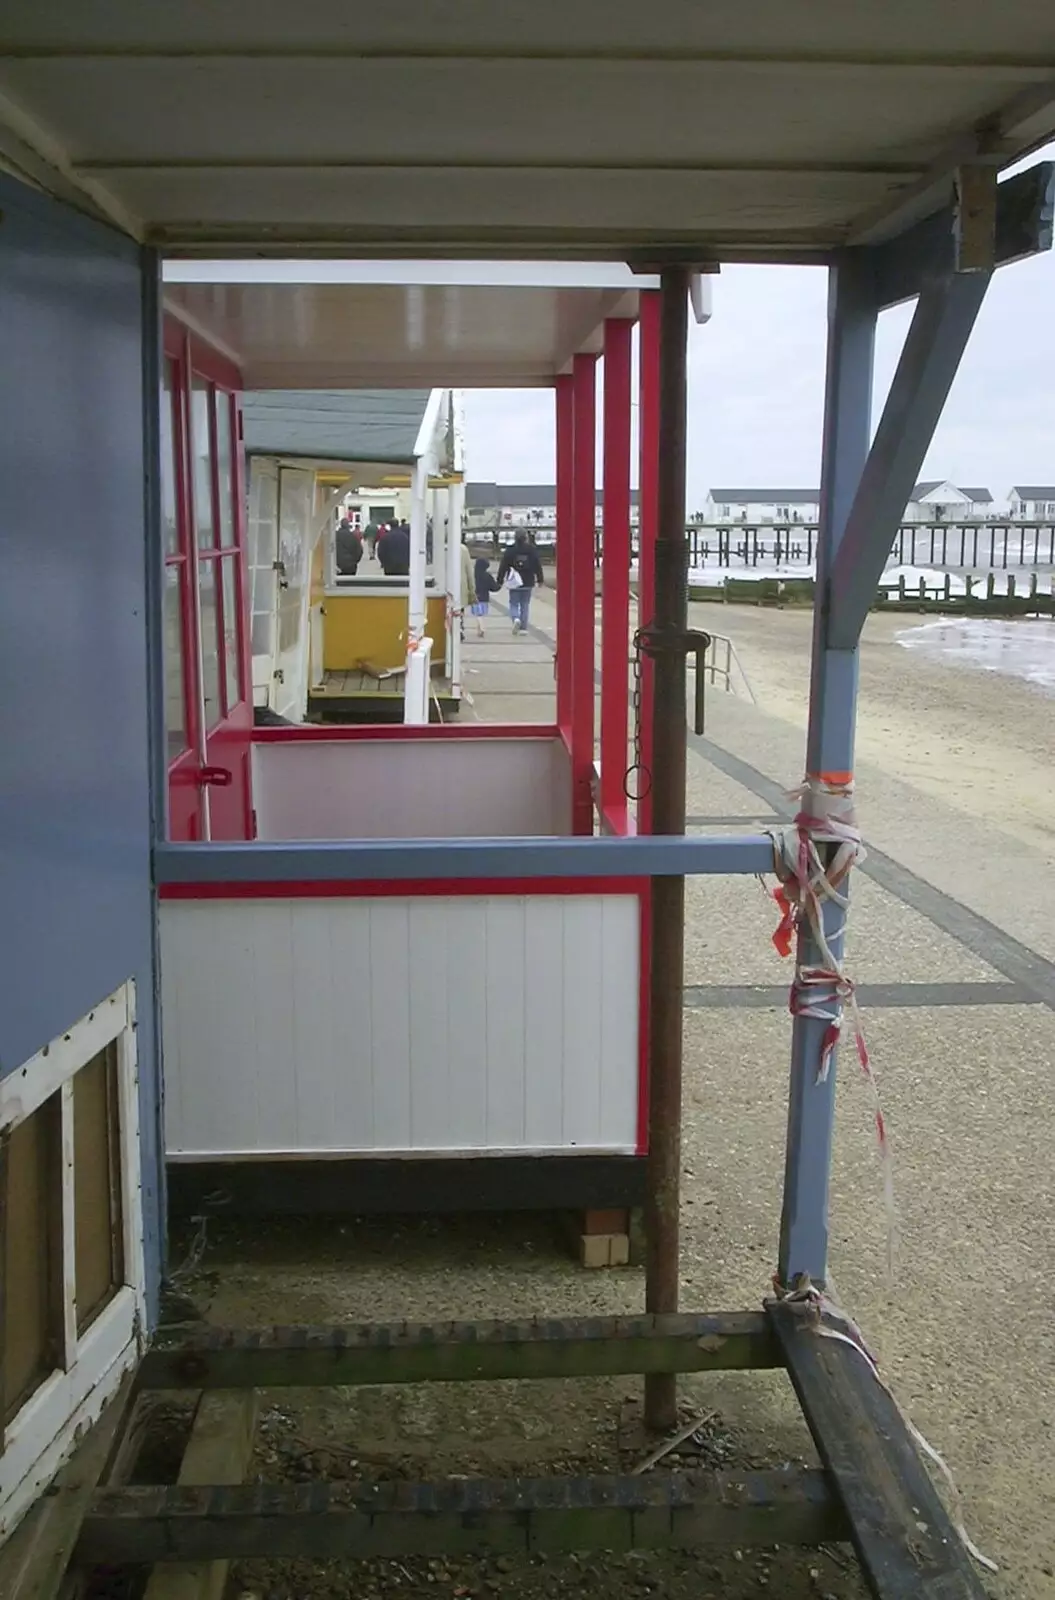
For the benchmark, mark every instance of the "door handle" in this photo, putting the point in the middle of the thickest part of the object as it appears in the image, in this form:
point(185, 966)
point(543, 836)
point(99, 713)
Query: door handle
point(218, 777)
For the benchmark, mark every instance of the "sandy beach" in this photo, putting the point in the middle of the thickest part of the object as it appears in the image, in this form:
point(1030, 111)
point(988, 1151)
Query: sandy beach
point(981, 741)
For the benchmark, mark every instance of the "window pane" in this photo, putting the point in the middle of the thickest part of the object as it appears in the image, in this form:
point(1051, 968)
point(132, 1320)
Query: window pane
point(210, 651)
point(175, 718)
point(263, 550)
point(202, 449)
point(231, 657)
point(98, 1221)
point(169, 523)
point(225, 467)
point(31, 1317)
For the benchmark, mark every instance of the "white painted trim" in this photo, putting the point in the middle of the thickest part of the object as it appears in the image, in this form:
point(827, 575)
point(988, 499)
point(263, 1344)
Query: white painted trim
point(131, 1162)
point(424, 445)
point(45, 1428)
point(455, 622)
point(22, 1091)
point(69, 1230)
point(48, 1425)
point(419, 274)
point(43, 143)
point(235, 1158)
point(416, 577)
point(195, 325)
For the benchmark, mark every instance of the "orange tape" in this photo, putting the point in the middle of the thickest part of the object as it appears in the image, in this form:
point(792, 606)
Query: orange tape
point(834, 780)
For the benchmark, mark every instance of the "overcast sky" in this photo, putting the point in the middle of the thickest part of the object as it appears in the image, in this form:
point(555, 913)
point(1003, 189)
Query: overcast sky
point(756, 382)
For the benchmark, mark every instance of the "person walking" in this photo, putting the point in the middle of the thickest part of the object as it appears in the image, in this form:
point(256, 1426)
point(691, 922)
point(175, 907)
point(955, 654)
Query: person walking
point(349, 548)
point(370, 536)
point(393, 551)
point(520, 572)
point(484, 585)
point(467, 587)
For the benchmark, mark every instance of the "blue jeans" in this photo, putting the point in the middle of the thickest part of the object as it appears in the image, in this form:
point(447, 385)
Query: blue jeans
point(519, 603)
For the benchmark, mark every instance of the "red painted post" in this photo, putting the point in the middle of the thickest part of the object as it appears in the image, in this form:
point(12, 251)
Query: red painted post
point(648, 518)
point(563, 575)
point(615, 568)
point(581, 650)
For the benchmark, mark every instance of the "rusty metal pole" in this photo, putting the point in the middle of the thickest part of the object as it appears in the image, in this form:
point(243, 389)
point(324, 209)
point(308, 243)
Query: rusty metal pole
point(668, 816)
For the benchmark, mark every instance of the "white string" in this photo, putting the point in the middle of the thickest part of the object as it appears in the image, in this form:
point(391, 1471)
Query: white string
point(821, 989)
point(809, 1296)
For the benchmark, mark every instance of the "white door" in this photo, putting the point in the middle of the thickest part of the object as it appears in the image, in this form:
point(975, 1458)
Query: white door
point(263, 576)
point(296, 502)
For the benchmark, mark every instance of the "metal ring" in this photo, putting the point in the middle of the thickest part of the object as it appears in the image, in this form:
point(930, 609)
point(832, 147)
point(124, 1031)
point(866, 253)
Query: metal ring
point(646, 790)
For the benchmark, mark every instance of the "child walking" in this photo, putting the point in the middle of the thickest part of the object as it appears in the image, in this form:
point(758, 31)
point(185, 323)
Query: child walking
point(485, 584)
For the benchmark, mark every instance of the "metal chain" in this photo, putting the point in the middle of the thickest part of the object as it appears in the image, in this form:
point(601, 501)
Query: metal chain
point(637, 790)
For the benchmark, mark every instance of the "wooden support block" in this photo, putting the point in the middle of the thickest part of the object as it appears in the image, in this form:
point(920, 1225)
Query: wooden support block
point(619, 1250)
point(604, 1250)
point(219, 1451)
point(602, 1238)
point(594, 1250)
point(33, 1562)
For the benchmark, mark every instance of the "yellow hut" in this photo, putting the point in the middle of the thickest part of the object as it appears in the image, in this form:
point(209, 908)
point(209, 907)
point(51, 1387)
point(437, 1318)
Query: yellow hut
point(335, 646)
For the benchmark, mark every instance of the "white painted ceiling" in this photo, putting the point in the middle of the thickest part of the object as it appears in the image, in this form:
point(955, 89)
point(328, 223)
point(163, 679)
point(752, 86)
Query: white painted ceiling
point(769, 129)
point(511, 332)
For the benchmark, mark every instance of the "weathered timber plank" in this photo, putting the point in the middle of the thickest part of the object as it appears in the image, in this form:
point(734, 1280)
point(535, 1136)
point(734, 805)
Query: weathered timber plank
point(904, 1539)
point(448, 1352)
point(218, 1452)
point(124, 1456)
point(464, 1516)
point(34, 1559)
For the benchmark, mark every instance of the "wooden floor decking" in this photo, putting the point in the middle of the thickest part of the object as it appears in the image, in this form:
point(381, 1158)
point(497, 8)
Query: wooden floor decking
point(361, 696)
point(358, 682)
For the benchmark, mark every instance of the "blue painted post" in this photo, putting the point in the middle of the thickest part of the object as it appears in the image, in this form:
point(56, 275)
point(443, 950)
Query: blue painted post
point(829, 747)
point(151, 1100)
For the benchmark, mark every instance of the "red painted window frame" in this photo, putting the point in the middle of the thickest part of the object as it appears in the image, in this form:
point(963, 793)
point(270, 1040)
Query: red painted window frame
point(174, 355)
point(224, 383)
point(192, 360)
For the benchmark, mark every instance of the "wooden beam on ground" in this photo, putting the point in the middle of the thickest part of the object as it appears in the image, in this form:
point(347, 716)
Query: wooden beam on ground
point(218, 1452)
point(121, 1466)
point(334, 1521)
point(907, 1546)
point(406, 1352)
point(33, 1562)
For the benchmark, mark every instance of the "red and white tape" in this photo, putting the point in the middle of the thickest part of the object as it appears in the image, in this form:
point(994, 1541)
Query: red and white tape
point(807, 881)
point(821, 1312)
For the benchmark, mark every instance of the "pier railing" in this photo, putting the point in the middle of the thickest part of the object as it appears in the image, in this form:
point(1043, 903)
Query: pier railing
point(980, 546)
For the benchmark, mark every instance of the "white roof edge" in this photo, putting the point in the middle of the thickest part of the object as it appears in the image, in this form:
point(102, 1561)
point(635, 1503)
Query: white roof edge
point(418, 274)
point(429, 423)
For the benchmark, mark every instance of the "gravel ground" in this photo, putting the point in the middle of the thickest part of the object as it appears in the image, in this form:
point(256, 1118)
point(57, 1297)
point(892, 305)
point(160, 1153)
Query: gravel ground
point(954, 770)
point(363, 1269)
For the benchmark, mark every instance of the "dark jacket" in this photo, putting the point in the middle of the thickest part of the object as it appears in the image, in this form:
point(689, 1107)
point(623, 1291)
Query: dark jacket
point(483, 578)
point(393, 552)
point(349, 550)
point(524, 558)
